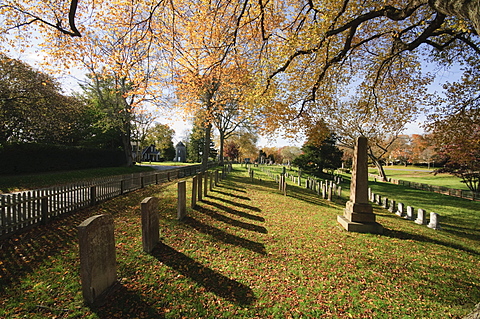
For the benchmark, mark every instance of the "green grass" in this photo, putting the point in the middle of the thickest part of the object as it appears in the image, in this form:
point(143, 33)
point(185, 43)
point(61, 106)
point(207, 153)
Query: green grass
point(11, 183)
point(422, 175)
point(247, 251)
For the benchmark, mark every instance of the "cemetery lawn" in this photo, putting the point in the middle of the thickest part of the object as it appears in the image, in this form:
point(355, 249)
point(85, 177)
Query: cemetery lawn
point(248, 251)
point(422, 175)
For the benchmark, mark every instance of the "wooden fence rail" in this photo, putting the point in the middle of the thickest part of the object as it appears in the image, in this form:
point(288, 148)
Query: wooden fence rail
point(26, 209)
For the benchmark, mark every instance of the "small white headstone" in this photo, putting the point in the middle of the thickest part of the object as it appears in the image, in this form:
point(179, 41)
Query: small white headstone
point(400, 210)
point(421, 217)
point(434, 224)
point(409, 213)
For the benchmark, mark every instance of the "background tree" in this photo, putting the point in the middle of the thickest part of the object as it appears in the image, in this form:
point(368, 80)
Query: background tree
point(316, 158)
point(247, 143)
point(423, 149)
point(34, 109)
point(161, 135)
point(289, 153)
point(401, 150)
point(374, 49)
point(231, 151)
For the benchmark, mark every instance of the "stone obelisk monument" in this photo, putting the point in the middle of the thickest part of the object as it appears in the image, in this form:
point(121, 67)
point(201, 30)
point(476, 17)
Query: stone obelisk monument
point(358, 215)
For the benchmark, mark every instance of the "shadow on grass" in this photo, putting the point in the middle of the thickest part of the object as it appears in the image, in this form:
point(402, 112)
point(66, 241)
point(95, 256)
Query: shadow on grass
point(252, 208)
point(122, 302)
point(305, 195)
point(212, 281)
point(234, 211)
point(232, 195)
point(404, 235)
point(225, 237)
point(231, 221)
point(25, 251)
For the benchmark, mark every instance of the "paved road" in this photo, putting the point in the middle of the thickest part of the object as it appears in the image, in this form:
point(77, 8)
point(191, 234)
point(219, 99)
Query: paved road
point(407, 169)
point(160, 167)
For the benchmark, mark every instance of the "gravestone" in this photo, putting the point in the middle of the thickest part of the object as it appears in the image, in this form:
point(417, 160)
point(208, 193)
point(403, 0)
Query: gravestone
point(182, 200)
point(421, 220)
point(98, 266)
point(358, 214)
point(400, 210)
point(150, 226)
point(434, 223)
point(324, 192)
point(385, 203)
point(194, 191)
point(410, 213)
point(393, 205)
point(329, 194)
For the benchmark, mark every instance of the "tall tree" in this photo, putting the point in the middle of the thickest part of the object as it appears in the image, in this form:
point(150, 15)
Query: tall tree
point(326, 49)
point(34, 109)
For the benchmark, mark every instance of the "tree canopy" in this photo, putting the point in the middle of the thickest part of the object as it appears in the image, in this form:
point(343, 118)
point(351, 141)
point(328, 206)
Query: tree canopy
point(357, 65)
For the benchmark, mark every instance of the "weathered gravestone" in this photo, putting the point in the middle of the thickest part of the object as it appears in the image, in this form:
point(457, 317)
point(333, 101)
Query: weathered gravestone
point(421, 220)
point(150, 225)
point(434, 223)
point(358, 215)
point(98, 266)
point(410, 213)
point(182, 200)
point(400, 210)
point(393, 205)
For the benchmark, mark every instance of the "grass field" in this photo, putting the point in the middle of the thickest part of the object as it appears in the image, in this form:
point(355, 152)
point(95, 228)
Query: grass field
point(422, 175)
point(247, 251)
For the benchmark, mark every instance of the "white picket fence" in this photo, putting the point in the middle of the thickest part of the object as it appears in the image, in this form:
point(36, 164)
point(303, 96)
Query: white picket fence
point(26, 209)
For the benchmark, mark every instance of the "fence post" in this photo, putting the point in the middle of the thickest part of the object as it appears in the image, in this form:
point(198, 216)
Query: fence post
point(122, 186)
point(142, 185)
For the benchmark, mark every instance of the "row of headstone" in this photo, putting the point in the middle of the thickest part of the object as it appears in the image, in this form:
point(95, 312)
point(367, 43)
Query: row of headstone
point(98, 266)
point(408, 212)
point(327, 189)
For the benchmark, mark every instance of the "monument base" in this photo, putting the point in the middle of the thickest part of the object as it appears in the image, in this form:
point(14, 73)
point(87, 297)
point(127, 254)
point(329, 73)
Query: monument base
point(360, 227)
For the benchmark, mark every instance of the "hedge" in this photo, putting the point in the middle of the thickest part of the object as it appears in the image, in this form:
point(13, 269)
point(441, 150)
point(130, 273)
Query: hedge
point(36, 158)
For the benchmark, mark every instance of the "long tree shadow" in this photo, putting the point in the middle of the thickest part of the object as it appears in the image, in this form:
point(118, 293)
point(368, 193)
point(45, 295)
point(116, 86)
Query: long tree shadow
point(252, 208)
point(231, 221)
point(403, 235)
point(212, 281)
point(224, 236)
point(122, 302)
point(232, 195)
point(234, 211)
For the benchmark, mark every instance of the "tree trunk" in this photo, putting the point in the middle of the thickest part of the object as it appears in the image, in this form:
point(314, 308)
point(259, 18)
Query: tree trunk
point(379, 167)
point(222, 141)
point(206, 147)
point(127, 144)
point(466, 9)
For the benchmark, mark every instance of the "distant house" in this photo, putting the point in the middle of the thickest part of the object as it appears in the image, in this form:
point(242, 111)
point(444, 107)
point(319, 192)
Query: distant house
point(150, 154)
point(180, 152)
